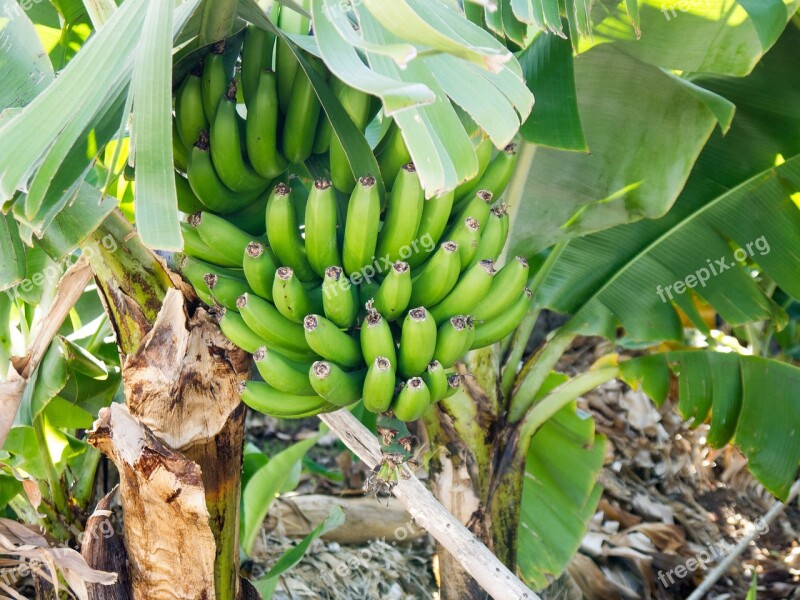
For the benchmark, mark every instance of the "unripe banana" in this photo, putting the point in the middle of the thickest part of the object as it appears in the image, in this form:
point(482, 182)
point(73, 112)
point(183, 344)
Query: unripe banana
point(284, 234)
point(190, 116)
point(290, 297)
point(438, 276)
point(468, 292)
point(392, 154)
point(361, 226)
point(417, 342)
point(284, 374)
point(260, 267)
point(506, 288)
point(489, 332)
point(261, 135)
point(394, 293)
point(357, 104)
point(467, 235)
point(376, 338)
point(494, 234)
point(335, 385)
point(403, 215)
point(196, 268)
point(366, 293)
point(197, 248)
point(412, 401)
point(180, 153)
point(435, 214)
point(452, 340)
point(477, 207)
point(188, 202)
point(454, 383)
point(214, 81)
point(256, 56)
point(322, 248)
point(302, 114)
point(269, 401)
point(339, 298)
point(499, 172)
point(265, 321)
point(207, 185)
point(237, 331)
point(223, 238)
point(226, 290)
point(436, 380)
point(286, 65)
point(250, 219)
point(379, 385)
point(195, 273)
point(226, 148)
point(330, 342)
point(484, 153)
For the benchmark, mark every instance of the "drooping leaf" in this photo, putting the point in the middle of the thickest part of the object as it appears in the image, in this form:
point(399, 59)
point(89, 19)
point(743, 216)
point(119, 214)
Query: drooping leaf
point(264, 485)
point(749, 400)
point(12, 267)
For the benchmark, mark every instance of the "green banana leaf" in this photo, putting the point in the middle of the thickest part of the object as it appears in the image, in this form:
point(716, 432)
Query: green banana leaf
point(560, 492)
point(749, 400)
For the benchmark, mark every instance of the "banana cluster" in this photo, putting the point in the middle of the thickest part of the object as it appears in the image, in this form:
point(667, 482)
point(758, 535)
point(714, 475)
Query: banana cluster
point(339, 294)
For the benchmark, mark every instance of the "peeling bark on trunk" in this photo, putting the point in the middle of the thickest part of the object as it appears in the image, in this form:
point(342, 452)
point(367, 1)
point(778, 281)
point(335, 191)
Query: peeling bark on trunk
point(163, 500)
point(106, 553)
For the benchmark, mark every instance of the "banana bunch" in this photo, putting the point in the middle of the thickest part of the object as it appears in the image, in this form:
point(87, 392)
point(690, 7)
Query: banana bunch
point(339, 294)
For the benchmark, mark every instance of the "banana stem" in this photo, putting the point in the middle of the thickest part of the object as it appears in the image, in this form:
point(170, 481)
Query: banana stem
point(216, 20)
point(559, 398)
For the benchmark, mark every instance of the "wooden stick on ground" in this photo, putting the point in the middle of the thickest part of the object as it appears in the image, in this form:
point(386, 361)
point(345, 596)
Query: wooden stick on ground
point(498, 581)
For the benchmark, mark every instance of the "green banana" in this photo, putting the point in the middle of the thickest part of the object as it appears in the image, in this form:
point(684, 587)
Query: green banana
point(484, 153)
point(435, 214)
point(497, 175)
point(207, 185)
point(330, 342)
point(237, 331)
point(361, 226)
point(286, 64)
point(250, 218)
point(376, 338)
point(392, 154)
point(466, 234)
point(477, 207)
point(190, 116)
point(284, 234)
point(195, 272)
point(494, 234)
point(467, 293)
point(357, 104)
point(454, 383)
point(180, 153)
point(412, 401)
point(261, 130)
point(335, 385)
point(266, 399)
point(256, 56)
point(266, 322)
point(366, 293)
point(224, 238)
point(226, 148)
point(339, 298)
point(417, 342)
point(188, 202)
point(452, 340)
point(302, 115)
point(321, 244)
point(508, 284)
point(226, 290)
point(260, 266)
point(394, 294)
point(284, 374)
point(195, 269)
point(379, 385)
point(194, 246)
point(215, 80)
point(436, 380)
point(438, 276)
point(403, 215)
point(488, 333)
point(290, 297)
